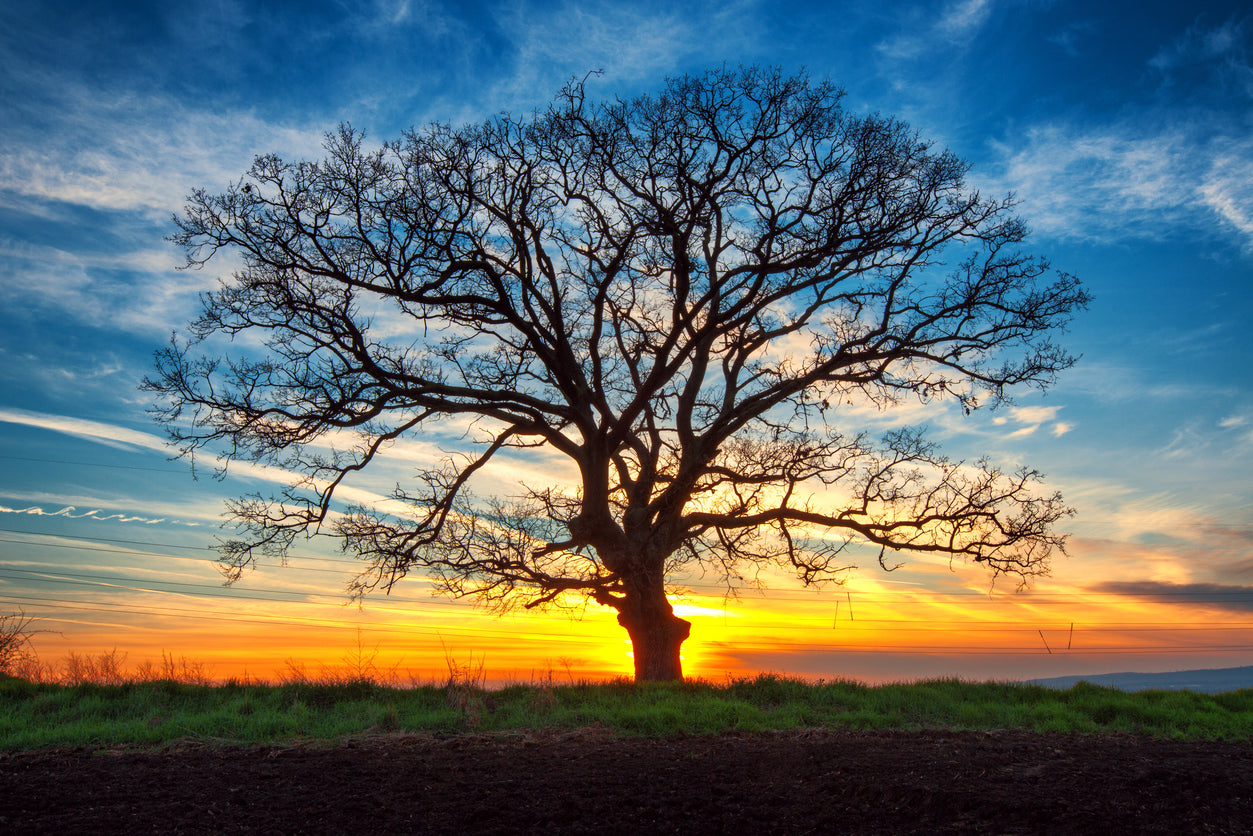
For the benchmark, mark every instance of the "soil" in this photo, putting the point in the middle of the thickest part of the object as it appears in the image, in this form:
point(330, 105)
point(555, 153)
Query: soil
point(594, 782)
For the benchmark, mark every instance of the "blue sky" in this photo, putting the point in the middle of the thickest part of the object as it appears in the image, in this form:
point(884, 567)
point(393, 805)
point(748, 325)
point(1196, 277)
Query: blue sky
point(1124, 129)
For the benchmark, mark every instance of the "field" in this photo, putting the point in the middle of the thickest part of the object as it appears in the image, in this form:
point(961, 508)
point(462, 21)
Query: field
point(763, 755)
point(162, 712)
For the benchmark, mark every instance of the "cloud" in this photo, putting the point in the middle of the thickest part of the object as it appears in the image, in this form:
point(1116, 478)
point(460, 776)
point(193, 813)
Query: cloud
point(1111, 382)
point(1106, 183)
point(88, 181)
point(111, 435)
point(1069, 36)
point(135, 152)
point(580, 36)
point(1222, 50)
point(1166, 170)
point(1085, 184)
point(183, 511)
point(1198, 439)
point(1134, 527)
point(1227, 187)
point(384, 17)
point(1211, 595)
point(123, 438)
point(1034, 414)
point(960, 19)
point(924, 31)
point(555, 42)
point(95, 514)
point(100, 287)
point(1031, 418)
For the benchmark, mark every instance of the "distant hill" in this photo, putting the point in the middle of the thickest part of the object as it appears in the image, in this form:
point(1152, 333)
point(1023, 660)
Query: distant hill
point(1213, 681)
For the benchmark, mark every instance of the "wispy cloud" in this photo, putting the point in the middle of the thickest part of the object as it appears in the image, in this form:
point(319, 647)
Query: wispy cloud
point(380, 18)
point(95, 514)
point(1131, 179)
point(1071, 35)
point(959, 19)
point(1161, 170)
point(1109, 381)
point(1031, 418)
point(186, 509)
point(1198, 440)
point(926, 29)
point(1222, 50)
point(100, 287)
point(1034, 414)
point(1102, 184)
point(99, 173)
point(629, 42)
point(133, 152)
point(111, 435)
point(123, 438)
point(1207, 595)
point(1227, 187)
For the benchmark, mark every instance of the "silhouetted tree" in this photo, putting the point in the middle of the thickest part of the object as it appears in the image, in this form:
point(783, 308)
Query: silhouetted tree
point(682, 294)
point(15, 646)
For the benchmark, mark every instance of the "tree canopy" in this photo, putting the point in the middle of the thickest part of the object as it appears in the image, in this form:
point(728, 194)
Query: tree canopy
point(689, 295)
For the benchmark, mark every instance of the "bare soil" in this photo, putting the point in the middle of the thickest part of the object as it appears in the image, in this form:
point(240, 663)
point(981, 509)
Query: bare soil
point(595, 782)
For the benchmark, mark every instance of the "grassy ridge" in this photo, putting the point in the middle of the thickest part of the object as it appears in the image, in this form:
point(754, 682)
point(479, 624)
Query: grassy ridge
point(34, 715)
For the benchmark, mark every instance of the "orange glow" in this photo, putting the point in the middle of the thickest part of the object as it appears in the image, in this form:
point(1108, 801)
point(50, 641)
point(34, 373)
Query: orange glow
point(928, 622)
point(856, 631)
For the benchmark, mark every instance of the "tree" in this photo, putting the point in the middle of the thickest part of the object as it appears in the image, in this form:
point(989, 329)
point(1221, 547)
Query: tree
point(683, 295)
point(15, 646)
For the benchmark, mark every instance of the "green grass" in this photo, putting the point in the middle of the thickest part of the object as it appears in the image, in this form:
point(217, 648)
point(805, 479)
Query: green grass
point(154, 713)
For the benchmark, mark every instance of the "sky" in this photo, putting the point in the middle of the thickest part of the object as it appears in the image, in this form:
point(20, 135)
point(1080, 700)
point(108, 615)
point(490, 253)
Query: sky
point(1124, 129)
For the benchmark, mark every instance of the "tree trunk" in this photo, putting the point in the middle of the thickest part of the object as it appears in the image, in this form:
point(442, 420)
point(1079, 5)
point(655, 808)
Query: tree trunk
point(656, 634)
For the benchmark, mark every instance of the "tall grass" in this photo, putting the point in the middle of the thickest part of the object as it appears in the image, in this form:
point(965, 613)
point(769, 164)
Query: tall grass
point(334, 707)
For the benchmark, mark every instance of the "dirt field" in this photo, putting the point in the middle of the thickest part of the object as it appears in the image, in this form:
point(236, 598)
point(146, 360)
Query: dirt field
point(826, 782)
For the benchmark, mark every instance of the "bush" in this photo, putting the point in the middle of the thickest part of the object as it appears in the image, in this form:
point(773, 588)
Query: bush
point(15, 647)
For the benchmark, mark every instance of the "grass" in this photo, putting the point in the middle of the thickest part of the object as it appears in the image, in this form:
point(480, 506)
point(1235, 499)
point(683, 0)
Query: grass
point(163, 711)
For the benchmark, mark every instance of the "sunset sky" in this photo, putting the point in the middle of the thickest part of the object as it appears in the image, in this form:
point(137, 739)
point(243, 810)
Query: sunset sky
point(1125, 129)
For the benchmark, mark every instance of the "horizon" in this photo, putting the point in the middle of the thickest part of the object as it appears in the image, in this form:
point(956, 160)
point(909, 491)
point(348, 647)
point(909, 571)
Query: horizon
point(1123, 131)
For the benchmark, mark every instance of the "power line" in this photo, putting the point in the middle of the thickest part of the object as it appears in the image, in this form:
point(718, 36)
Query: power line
point(166, 556)
point(738, 647)
point(143, 543)
point(897, 626)
point(221, 592)
point(878, 596)
point(251, 618)
point(949, 650)
point(92, 464)
point(426, 605)
point(893, 597)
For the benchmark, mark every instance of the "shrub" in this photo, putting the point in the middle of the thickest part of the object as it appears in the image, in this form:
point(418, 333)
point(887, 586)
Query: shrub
point(15, 647)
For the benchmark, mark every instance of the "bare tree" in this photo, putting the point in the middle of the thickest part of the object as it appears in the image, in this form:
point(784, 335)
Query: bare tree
point(15, 646)
point(685, 295)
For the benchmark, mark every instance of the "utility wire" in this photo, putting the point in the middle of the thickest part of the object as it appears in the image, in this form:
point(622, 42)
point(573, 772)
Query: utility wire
point(260, 594)
point(93, 464)
point(878, 596)
point(147, 543)
point(739, 646)
point(893, 626)
point(254, 618)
